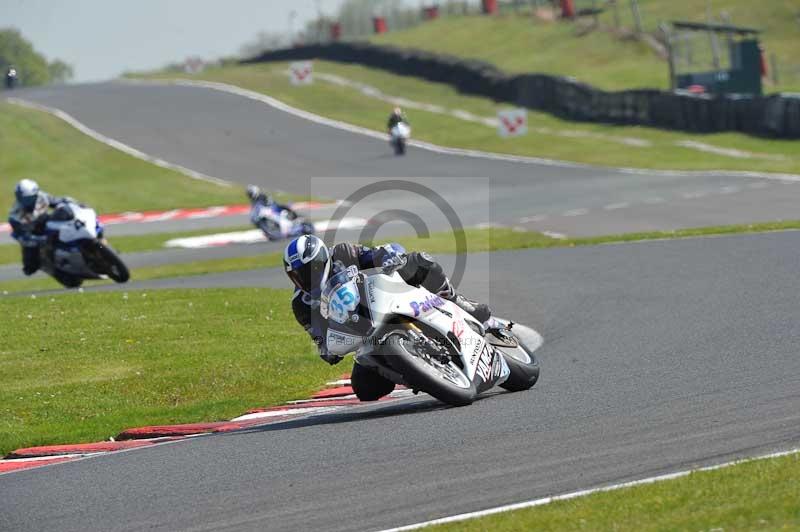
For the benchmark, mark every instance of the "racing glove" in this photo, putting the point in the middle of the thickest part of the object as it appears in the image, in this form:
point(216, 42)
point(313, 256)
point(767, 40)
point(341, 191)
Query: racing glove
point(389, 257)
point(324, 354)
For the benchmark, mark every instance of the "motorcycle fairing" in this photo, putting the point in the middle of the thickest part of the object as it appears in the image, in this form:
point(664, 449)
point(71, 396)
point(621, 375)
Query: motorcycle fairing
point(449, 320)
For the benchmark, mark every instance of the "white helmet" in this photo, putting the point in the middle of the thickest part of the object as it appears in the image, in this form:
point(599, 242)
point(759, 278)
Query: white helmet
point(27, 193)
point(252, 192)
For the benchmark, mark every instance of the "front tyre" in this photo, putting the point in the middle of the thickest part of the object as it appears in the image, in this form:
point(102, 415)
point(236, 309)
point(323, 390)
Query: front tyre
point(445, 382)
point(523, 364)
point(271, 230)
point(104, 260)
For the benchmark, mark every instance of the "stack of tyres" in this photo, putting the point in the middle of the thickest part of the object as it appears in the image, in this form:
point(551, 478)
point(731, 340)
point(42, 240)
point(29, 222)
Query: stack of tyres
point(776, 116)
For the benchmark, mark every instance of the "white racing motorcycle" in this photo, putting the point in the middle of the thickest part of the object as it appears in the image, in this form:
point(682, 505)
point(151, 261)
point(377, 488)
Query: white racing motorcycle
point(412, 337)
point(398, 137)
point(277, 223)
point(80, 251)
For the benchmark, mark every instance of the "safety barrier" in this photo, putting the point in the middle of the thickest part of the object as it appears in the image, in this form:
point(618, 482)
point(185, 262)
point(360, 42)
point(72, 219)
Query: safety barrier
point(775, 115)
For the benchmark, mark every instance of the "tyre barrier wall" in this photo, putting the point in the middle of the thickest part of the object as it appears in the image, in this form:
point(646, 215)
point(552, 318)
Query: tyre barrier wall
point(773, 116)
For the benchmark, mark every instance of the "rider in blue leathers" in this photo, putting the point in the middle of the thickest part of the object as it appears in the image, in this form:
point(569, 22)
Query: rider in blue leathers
point(259, 197)
point(27, 218)
point(309, 264)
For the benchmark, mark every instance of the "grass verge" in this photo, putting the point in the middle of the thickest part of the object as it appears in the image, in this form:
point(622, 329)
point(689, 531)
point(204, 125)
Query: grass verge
point(82, 367)
point(754, 495)
point(477, 241)
point(64, 161)
point(601, 57)
point(550, 137)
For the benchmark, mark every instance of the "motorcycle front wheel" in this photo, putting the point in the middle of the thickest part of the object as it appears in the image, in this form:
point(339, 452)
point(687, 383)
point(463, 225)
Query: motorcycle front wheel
point(104, 260)
point(270, 229)
point(445, 382)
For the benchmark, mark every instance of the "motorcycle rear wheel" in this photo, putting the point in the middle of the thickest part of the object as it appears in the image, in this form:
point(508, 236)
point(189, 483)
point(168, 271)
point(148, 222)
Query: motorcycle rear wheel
point(523, 365)
point(446, 383)
point(308, 228)
point(67, 280)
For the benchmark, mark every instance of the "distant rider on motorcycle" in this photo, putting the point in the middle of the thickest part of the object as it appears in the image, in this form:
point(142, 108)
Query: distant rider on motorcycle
point(395, 118)
point(309, 263)
point(259, 197)
point(27, 218)
point(11, 77)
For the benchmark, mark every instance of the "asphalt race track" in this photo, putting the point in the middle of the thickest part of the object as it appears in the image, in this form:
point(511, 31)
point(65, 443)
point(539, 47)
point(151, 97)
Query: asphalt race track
point(658, 356)
point(242, 140)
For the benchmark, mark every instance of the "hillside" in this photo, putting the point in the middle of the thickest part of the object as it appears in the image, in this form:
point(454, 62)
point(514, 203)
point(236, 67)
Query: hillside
point(605, 57)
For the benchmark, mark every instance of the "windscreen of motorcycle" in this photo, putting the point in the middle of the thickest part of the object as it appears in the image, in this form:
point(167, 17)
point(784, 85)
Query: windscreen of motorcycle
point(81, 226)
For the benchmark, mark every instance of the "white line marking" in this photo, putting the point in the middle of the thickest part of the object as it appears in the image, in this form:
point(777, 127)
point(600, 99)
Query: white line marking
point(553, 234)
point(253, 236)
point(537, 218)
point(36, 458)
point(117, 144)
point(575, 212)
point(286, 412)
point(277, 104)
point(581, 493)
point(321, 399)
point(615, 206)
point(653, 201)
point(341, 382)
point(727, 152)
point(694, 195)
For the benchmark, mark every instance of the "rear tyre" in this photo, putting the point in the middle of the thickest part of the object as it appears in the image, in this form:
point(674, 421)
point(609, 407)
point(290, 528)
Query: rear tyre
point(368, 385)
point(523, 365)
point(67, 280)
point(523, 376)
point(446, 383)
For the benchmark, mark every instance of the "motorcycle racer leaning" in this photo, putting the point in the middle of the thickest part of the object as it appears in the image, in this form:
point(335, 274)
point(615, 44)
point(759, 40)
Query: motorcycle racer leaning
point(27, 218)
point(309, 263)
point(259, 197)
point(395, 118)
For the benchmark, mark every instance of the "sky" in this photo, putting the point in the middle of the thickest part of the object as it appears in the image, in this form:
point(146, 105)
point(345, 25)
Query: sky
point(102, 38)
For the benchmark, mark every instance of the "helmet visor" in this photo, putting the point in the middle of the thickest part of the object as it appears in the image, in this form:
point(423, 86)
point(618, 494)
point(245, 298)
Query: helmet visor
point(28, 202)
point(310, 277)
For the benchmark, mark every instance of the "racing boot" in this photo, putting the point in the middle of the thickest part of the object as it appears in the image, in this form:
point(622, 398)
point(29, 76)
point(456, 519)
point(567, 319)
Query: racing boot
point(479, 311)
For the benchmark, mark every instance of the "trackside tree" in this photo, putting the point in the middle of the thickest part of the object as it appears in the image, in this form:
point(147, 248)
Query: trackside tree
point(32, 67)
